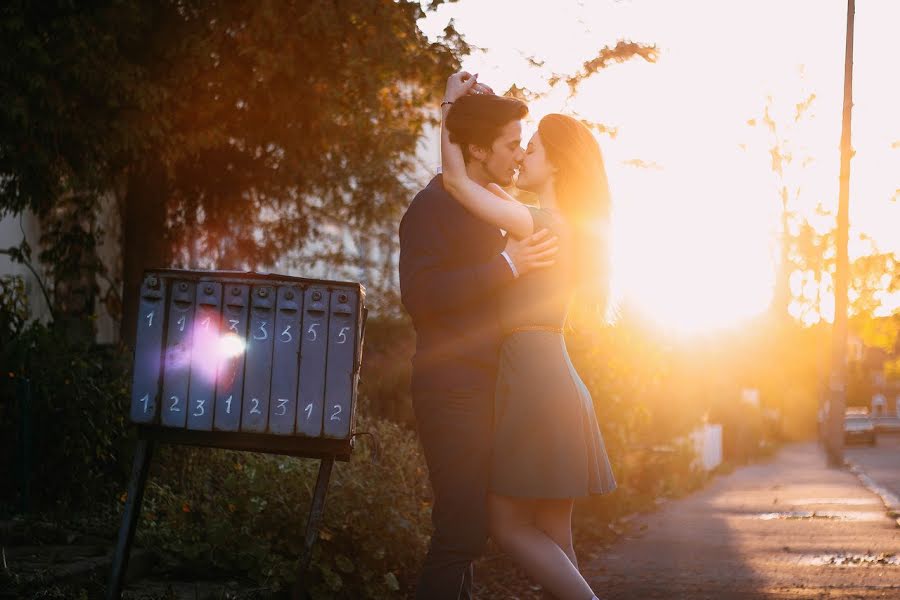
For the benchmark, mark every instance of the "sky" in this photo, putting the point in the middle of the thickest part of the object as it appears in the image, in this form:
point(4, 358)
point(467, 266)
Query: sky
point(695, 234)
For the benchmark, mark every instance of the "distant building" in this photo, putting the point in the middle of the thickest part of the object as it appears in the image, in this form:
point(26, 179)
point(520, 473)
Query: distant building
point(883, 392)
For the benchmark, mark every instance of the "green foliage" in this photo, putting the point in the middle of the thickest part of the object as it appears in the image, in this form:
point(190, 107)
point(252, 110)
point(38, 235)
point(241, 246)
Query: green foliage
point(246, 513)
point(385, 373)
point(13, 308)
point(72, 83)
point(78, 411)
point(283, 116)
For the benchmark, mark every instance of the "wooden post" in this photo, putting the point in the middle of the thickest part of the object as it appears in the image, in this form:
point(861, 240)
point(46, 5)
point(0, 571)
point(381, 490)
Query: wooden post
point(143, 452)
point(834, 441)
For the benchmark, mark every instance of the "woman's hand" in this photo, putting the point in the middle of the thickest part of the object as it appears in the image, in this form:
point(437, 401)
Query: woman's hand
point(458, 85)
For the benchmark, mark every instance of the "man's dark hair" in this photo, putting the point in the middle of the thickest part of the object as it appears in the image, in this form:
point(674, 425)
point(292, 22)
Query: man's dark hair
point(478, 118)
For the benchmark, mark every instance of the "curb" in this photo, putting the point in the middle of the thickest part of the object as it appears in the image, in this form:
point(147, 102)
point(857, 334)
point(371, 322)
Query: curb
point(891, 501)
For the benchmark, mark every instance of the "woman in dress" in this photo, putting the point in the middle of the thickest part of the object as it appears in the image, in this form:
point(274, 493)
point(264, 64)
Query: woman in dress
point(547, 446)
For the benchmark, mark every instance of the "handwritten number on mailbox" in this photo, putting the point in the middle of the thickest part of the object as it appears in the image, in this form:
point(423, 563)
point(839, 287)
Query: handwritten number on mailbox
point(233, 324)
point(255, 410)
point(287, 332)
point(262, 328)
point(174, 407)
point(200, 404)
point(145, 400)
point(181, 323)
point(342, 335)
point(150, 319)
point(312, 330)
point(308, 410)
point(228, 405)
point(205, 323)
point(334, 416)
point(281, 405)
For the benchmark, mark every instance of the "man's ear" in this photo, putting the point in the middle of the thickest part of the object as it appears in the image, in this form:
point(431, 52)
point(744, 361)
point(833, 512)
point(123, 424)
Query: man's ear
point(478, 152)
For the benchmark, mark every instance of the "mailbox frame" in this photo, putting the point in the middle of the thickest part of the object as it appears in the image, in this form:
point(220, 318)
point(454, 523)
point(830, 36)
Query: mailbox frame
point(298, 444)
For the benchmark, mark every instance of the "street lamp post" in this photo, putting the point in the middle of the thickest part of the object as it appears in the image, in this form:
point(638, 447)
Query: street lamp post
point(834, 441)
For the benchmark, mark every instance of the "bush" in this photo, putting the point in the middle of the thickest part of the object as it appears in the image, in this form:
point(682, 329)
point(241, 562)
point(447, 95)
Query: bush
point(78, 413)
point(245, 512)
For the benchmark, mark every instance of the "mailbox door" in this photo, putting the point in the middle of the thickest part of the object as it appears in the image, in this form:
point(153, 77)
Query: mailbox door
point(178, 354)
point(340, 378)
point(230, 374)
point(258, 368)
point(204, 353)
point(148, 351)
point(285, 360)
point(313, 352)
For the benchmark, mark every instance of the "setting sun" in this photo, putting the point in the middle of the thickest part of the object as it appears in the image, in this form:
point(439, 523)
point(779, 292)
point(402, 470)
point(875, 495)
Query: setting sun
point(696, 202)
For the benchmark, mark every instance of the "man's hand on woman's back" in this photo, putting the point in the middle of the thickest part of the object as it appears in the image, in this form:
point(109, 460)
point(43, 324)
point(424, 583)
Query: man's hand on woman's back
point(533, 252)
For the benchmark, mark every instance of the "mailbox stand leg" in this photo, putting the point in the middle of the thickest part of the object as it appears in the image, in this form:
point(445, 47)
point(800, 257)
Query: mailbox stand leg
point(316, 510)
point(142, 453)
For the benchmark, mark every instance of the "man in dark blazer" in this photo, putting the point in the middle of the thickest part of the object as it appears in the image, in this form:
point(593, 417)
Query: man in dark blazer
point(451, 267)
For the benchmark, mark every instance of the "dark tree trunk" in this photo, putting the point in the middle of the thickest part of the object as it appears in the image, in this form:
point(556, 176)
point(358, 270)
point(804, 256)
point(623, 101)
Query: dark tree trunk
point(144, 240)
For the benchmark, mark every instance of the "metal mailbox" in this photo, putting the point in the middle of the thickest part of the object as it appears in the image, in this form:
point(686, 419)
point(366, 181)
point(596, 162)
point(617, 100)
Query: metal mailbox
point(177, 353)
point(285, 360)
point(230, 371)
point(314, 351)
point(341, 373)
point(204, 341)
point(148, 351)
point(225, 352)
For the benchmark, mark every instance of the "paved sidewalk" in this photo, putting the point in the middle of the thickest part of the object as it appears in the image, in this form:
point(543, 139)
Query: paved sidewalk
point(787, 528)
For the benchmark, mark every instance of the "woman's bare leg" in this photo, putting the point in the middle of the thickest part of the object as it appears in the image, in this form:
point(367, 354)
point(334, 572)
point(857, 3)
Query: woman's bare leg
point(554, 517)
point(513, 527)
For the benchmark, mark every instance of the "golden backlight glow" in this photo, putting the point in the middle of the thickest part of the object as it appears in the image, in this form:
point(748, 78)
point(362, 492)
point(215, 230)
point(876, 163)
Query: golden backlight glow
point(696, 204)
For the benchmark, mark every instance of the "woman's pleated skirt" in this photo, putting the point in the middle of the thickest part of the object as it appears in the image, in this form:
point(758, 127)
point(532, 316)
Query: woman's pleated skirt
point(547, 442)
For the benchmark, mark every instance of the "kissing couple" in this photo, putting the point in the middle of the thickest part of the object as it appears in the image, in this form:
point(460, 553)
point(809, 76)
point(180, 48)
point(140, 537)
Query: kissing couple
point(508, 428)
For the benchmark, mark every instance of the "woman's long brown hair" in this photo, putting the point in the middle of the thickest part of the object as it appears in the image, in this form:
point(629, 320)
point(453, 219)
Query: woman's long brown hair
point(582, 194)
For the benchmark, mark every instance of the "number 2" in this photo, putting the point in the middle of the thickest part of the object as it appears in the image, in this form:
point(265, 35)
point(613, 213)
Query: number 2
point(334, 415)
point(255, 410)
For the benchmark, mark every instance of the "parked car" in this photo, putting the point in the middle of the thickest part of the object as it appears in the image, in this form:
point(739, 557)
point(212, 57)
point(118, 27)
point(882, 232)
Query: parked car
point(887, 424)
point(859, 428)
